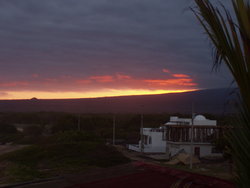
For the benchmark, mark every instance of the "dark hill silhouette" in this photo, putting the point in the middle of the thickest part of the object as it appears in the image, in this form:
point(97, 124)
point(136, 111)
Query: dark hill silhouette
point(205, 101)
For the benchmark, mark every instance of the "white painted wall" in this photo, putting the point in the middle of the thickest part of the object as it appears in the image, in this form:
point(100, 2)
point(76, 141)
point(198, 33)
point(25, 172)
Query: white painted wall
point(205, 122)
point(134, 147)
point(198, 120)
point(157, 145)
point(205, 148)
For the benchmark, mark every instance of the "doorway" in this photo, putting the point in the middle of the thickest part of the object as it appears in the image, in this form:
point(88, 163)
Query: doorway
point(197, 151)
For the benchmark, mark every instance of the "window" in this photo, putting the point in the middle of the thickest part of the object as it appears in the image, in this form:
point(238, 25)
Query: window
point(145, 139)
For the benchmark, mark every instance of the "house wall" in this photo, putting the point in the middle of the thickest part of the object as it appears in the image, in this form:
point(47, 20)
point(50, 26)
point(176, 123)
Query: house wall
point(205, 122)
point(198, 120)
point(205, 148)
point(134, 147)
point(153, 142)
point(157, 144)
point(147, 148)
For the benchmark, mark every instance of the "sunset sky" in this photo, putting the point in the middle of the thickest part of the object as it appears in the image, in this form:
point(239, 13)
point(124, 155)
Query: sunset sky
point(95, 48)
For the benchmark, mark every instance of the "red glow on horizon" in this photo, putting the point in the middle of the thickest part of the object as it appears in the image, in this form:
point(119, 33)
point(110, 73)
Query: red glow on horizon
point(72, 95)
point(117, 84)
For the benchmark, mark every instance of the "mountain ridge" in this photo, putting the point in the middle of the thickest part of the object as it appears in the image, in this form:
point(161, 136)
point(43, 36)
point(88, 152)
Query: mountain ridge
point(205, 101)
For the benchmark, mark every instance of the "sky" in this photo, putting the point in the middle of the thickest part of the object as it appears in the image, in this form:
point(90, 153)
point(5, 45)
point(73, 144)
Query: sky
point(96, 48)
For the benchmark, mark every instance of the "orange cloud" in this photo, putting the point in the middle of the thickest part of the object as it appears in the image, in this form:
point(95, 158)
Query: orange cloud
point(180, 75)
point(172, 82)
point(97, 86)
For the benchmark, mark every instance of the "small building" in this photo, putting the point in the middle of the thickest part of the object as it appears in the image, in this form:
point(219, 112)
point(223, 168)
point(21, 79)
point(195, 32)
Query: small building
point(153, 141)
point(175, 137)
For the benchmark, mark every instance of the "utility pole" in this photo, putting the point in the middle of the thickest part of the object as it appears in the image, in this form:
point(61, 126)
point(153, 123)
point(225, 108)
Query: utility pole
point(142, 137)
point(113, 129)
point(192, 138)
point(79, 122)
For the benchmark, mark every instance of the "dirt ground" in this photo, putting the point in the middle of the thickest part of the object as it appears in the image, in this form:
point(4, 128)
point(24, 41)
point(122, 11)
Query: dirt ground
point(9, 148)
point(131, 175)
point(219, 170)
point(68, 180)
point(153, 175)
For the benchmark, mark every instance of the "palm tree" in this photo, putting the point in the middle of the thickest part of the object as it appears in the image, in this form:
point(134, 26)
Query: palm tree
point(230, 36)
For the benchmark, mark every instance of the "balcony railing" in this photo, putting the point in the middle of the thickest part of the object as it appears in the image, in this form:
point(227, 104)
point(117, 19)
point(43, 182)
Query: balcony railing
point(201, 134)
point(156, 130)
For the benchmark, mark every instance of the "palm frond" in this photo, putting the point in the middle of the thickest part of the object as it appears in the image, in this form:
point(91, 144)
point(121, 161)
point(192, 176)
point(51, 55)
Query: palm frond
point(231, 40)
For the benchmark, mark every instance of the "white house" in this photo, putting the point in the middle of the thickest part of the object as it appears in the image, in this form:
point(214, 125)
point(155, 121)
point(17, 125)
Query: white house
point(153, 141)
point(175, 136)
point(179, 137)
point(198, 120)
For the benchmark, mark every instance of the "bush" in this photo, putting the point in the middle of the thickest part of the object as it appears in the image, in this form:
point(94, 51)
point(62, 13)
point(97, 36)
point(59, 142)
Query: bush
point(17, 173)
point(64, 155)
point(66, 122)
point(33, 130)
point(7, 128)
point(72, 137)
point(7, 138)
point(223, 145)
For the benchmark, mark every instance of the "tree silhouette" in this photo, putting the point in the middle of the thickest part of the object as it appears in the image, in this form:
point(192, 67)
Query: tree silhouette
point(230, 36)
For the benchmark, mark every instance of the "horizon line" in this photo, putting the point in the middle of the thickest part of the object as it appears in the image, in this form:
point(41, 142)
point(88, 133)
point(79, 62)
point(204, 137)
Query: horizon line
point(107, 96)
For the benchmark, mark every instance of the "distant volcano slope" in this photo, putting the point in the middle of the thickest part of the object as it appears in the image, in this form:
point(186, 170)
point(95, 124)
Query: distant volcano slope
point(215, 101)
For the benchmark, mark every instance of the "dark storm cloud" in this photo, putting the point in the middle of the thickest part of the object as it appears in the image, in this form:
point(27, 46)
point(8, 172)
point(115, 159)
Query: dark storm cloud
point(55, 38)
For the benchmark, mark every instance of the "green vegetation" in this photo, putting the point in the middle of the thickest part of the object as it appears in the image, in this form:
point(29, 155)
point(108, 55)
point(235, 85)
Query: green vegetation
point(62, 143)
point(8, 133)
point(39, 124)
point(67, 152)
